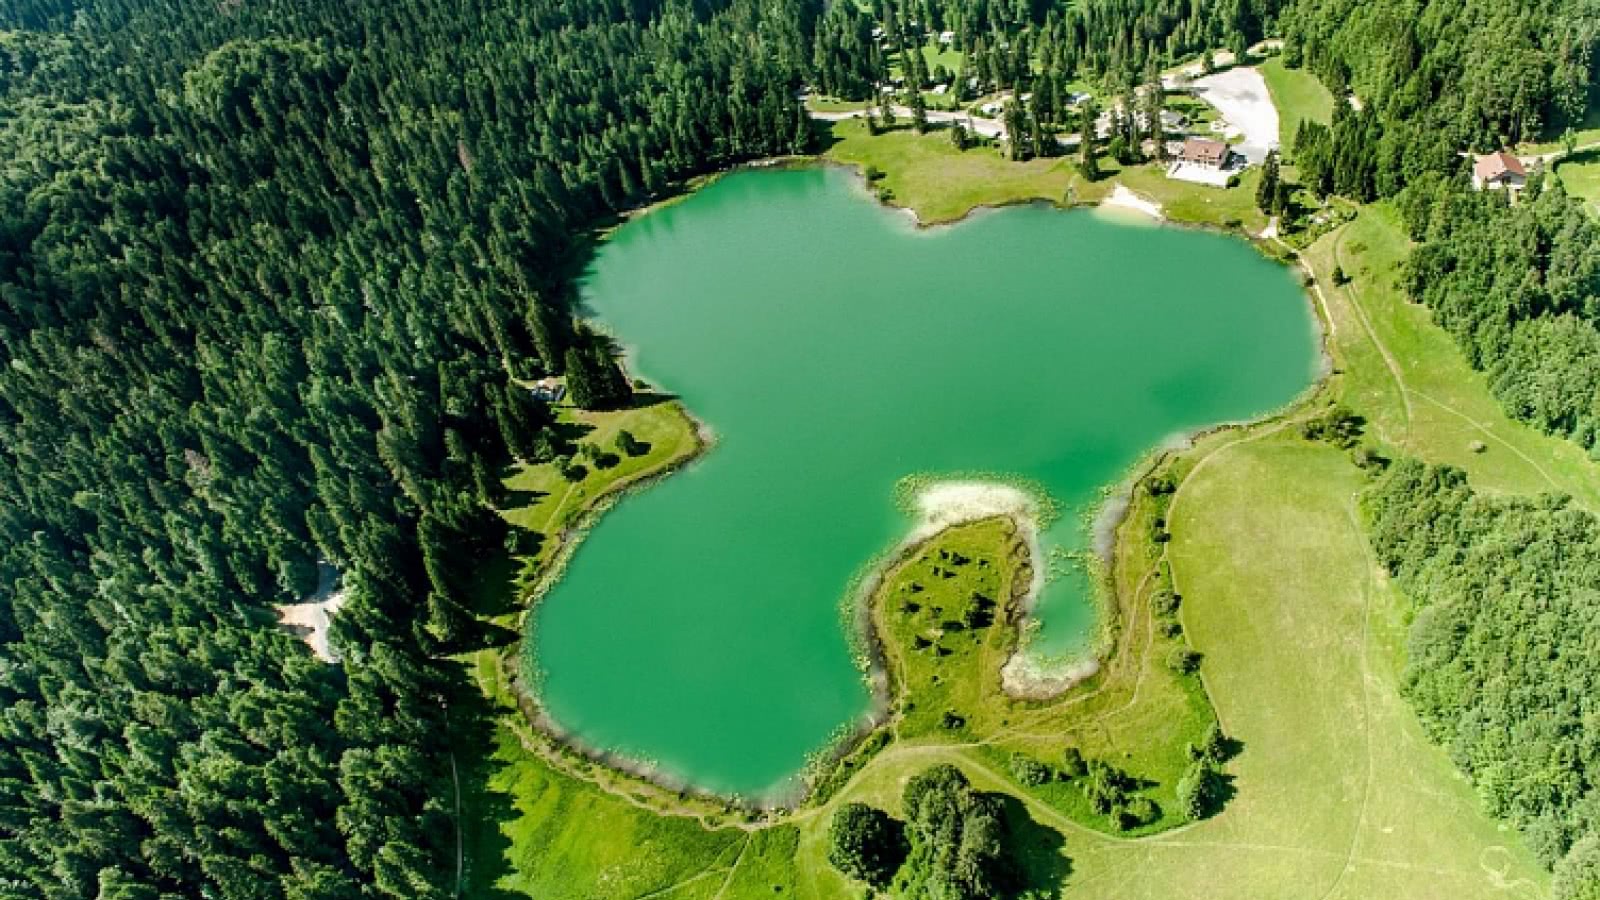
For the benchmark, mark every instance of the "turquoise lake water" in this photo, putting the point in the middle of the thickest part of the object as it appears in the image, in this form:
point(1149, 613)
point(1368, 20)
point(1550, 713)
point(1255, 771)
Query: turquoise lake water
point(833, 349)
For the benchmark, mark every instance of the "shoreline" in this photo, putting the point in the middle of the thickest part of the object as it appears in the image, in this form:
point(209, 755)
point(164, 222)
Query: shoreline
point(1021, 679)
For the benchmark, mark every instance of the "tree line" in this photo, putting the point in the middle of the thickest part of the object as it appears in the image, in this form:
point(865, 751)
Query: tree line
point(1503, 650)
point(1030, 45)
point(1518, 287)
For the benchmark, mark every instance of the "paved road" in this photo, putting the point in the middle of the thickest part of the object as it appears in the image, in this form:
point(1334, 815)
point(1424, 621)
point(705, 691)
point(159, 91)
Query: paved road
point(1554, 155)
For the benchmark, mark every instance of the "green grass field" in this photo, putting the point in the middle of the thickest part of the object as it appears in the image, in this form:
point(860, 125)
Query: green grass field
point(1580, 175)
point(1338, 793)
point(531, 829)
point(1198, 204)
point(1407, 376)
point(1299, 95)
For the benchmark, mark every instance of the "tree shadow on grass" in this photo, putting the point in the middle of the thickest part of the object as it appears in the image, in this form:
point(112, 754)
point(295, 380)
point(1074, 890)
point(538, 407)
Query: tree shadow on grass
point(568, 434)
point(1224, 792)
point(1039, 867)
point(822, 137)
point(484, 847)
point(518, 498)
point(646, 399)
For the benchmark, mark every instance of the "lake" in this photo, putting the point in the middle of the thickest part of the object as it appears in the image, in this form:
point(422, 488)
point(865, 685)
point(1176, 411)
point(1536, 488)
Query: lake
point(834, 349)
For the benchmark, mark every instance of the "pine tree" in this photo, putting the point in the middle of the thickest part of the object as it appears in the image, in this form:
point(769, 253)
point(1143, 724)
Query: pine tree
point(1267, 190)
point(1088, 163)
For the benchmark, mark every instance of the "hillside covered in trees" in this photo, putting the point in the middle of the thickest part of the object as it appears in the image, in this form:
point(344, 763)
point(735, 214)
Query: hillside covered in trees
point(268, 275)
point(1432, 78)
point(1504, 649)
point(1519, 289)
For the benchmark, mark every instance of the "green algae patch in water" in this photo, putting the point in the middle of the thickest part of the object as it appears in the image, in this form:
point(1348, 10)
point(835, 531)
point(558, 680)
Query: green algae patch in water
point(834, 349)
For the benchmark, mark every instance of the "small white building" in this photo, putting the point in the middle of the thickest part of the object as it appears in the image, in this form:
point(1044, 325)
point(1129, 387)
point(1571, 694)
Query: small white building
point(548, 389)
point(947, 37)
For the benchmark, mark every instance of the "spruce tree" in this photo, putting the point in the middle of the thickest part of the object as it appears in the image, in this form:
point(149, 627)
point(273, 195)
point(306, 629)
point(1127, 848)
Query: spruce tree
point(1267, 190)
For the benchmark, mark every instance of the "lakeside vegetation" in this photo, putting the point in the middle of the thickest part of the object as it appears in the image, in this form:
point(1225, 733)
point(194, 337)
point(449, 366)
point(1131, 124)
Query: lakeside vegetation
point(612, 450)
point(941, 183)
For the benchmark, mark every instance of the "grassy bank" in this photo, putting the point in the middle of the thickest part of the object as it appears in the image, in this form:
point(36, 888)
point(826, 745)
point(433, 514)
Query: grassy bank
point(928, 175)
point(547, 503)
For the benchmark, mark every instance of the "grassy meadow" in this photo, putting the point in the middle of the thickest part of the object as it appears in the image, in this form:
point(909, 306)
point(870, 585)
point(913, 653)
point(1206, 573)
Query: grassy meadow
point(1580, 175)
point(1299, 95)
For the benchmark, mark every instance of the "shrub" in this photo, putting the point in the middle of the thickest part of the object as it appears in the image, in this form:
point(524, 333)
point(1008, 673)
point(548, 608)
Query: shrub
point(1338, 426)
point(1156, 485)
point(1072, 764)
point(1183, 661)
point(628, 445)
point(1144, 810)
point(1106, 786)
point(866, 844)
point(1029, 771)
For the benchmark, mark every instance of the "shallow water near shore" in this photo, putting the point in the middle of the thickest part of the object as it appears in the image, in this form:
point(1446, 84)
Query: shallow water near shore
point(835, 349)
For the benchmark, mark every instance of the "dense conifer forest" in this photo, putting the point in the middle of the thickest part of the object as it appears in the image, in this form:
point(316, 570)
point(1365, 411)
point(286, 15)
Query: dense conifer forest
point(270, 274)
point(1415, 83)
point(1504, 648)
point(1519, 288)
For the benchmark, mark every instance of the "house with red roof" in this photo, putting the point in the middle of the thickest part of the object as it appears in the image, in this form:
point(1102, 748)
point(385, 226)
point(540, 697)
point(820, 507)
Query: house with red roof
point(1499, 171)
